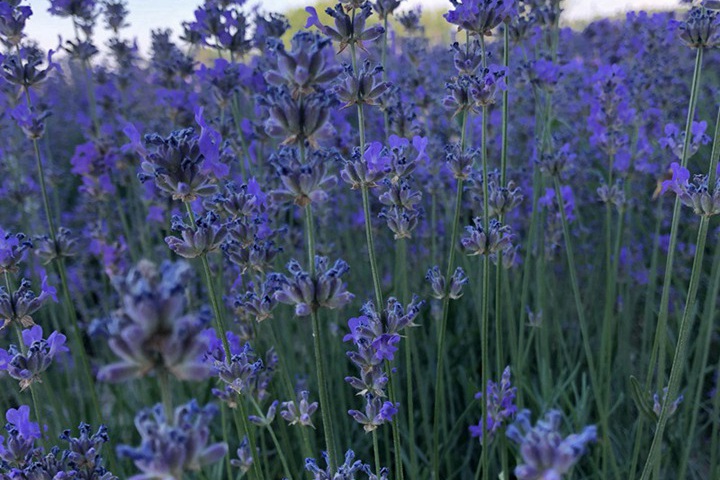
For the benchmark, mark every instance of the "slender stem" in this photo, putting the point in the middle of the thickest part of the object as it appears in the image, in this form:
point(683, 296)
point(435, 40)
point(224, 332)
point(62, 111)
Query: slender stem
point(386, 114)
point(317, 343)
point(578, 301)
point(243, 428)
point(210, 285)
point(653, 462)
point(661, 332)
point(164, 382)
point(485, 361)
point(275, 441)
point(376, 452)
point(445, 311)
point(680, 357)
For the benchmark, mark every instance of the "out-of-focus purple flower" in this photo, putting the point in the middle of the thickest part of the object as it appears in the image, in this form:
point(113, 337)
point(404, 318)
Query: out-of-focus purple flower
point(12, 23)
point(658, 403)
point(568, 200)
point(20, 419)
point(500, 400)
point(674, 139)
point(244, 458)
point(151, 330)
point(306, 67)
point(701, 28)
point(13, 248)
point(30, 121)
point(480, 17)
point(545, 453)
point(347, 471)
point(170, 447)
point(264, 419)
point(19, 306)
point(348, 30)
point(210, 143)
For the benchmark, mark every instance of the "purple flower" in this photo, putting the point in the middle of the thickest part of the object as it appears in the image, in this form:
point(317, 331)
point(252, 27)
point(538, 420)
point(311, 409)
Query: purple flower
point(13, 249)
point(20, 419)
point(545, 453)
point(377, 412)
point(500, 400)
point(480, 17)
point(300, 411)
point(169, 447)
point(385, 347)
point(26, 367)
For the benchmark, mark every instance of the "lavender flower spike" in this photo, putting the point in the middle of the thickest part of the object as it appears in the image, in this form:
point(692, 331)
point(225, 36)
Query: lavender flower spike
point(546, 455)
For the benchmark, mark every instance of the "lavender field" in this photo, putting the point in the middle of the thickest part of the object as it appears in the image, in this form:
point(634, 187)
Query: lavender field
point(352, 251)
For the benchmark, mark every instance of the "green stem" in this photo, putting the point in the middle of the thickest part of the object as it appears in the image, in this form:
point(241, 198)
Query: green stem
point(445, 311)
point(317, 343)
point(164, 382)
point(578, 300)
point(661, 332)
point(243, 428)
point(275, 441)
point(680, 357)
point(376, 452)
point(653, 461)
point(210, 285)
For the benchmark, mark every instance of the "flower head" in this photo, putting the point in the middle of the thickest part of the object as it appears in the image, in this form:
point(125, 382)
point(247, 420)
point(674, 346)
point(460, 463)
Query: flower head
point(545, 453)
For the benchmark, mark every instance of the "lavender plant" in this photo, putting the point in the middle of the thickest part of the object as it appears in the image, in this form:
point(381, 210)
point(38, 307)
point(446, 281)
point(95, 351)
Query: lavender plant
point(574, 166)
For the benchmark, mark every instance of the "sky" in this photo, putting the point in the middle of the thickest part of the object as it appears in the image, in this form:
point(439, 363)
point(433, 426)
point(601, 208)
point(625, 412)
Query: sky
point(146, 15)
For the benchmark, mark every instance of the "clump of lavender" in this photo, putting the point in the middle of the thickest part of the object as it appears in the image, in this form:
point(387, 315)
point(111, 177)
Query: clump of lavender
point(205, 236)
point(152, 331)
point(176, 166)
point(349, 470)
point(704, 199)
point(307, 293)
point(169, 447)
point(701, 28)
point(244, 374)
point(500, 400)
point(18, 307)
point(299, 412)
point(438, 283)
point(27, 365)
point(307, 66)
point(13, 248)
point(21, 459)
point(495, 240)
point(349, 30)
point(22, 433)
point(545, 453)
point(480, 17)
point(376, 335)
point(674, 139)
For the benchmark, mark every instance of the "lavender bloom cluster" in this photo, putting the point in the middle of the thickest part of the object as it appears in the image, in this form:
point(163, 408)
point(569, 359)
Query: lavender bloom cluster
point(252, 169)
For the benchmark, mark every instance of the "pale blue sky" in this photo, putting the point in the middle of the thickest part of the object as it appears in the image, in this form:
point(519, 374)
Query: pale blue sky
point(146, 15)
